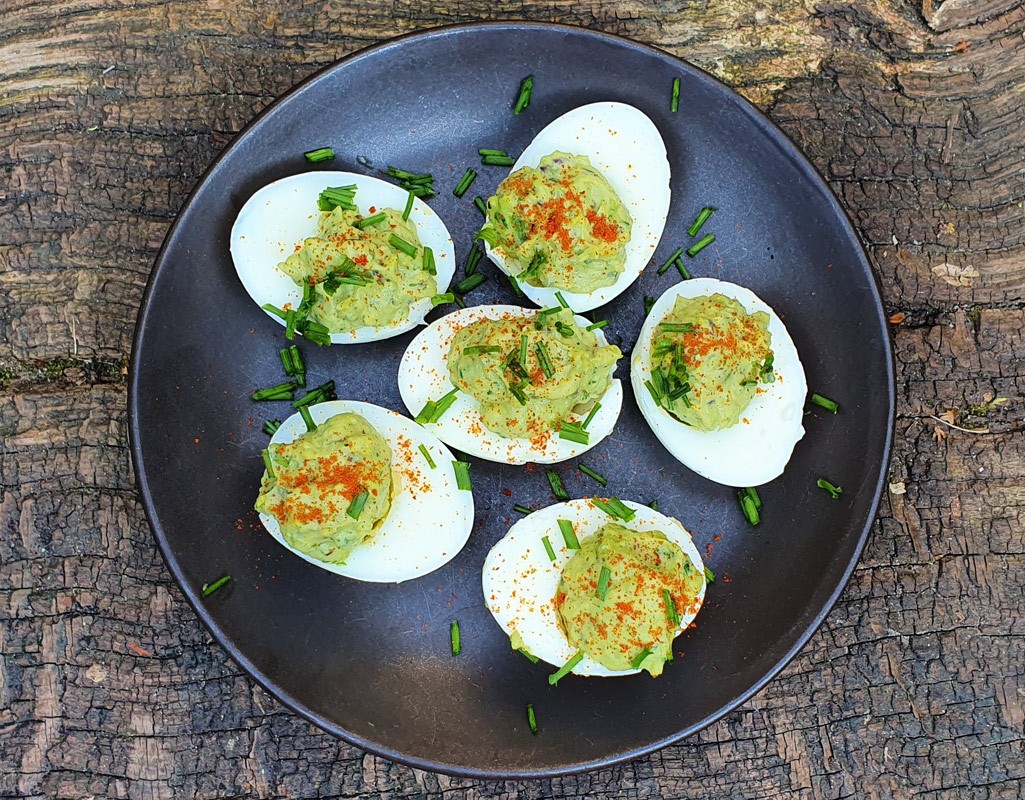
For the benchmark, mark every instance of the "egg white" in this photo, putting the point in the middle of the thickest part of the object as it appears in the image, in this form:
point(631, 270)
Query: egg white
point(423, 375)
point(283, 213)
point(626, 147)
point(520, 581)
point(758, 447)
point(404, 546)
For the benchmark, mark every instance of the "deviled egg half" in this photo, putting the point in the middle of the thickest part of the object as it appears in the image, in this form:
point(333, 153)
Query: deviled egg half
point(351, 495)
point(718, 379)
point(513, 385)
point(583, 208)
point(341, 249)
point(571, 585)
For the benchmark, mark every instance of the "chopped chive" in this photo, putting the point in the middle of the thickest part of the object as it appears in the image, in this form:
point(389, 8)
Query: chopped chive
point(481, 205)
point(603, 581)
point(523, 509)
point(373, 219)
point(286, 360)
point(290, 323)
point(401, 244)
point(271, 426)
point(268, 462)
point(209, 589)
point(682, 269)
point(656, 395)
point(316, 333)
point(824, 402)
point(676, 327)
point(671, 610)
point(548, 548)
point(709, 575)
point(639, 658)
point(515, 285)
point(490, 151)
point(543, 359)
point(409, 206)
point(565, 330)
point(440, 299)
point(427, 263)
point(565, 669)
point(427, 456)
point(320, 154)
point(531, 718)
point(319, 394)
point(561, 299)
point(476, 349)
point(419, 184)
point(356, 504)
point(572, 432)
point(283, 391)
point(753, 494)
point(653, 505)
point(433, 409)
point(547, 312)
point(455, 637)
point(674, 101)
point(569, 536)
point(590, 415)
point(489, 235)
point(596, 325)
point(592, 474)
point(700, 220)
point(834, 491)
point(472, 260)
point(529, 656)
point(273, 309)
point(556, 483)
point(462, 470)
point(464, 182)
point(497, 161)
point(648, 303)
point(700, 245)
point(523, 98)
point(334, 196)
point(460, 301)
point(748, 507)
point(523, 348)
point(304, 412)
point(669, 261)
point(615, 508)
point(517, 392)
point(470, 283)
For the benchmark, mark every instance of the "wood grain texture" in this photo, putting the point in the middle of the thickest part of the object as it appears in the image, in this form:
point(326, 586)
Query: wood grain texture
point(109, 112)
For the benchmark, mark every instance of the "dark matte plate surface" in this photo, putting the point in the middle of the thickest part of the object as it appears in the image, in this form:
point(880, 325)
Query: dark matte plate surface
point(371, 663)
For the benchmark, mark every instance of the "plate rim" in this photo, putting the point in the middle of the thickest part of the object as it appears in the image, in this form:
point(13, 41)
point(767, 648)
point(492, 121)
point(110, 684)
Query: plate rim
point(768, 128)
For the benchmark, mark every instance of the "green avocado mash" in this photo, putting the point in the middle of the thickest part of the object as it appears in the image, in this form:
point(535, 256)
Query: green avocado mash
point(632, 626)
point(360, 278)
point(318, 481)
point(529, 374)
point(559, 225)
point(708, 356)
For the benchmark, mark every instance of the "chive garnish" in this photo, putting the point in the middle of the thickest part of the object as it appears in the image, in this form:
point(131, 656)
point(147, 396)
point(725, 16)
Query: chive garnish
point(523, 509)
point(464, 182)
point(671, 610)
point(753, 494)
point(316, 333)
point(548, 548)
point(596, 325)
point(648, 303)
point(477, 349)
point(824, 402)
point(320, 154)
point(523, 348)
point(283, 391)
point(273, 309)
point(490, 151)
point(433, 409)
point(569, 536)
point(440, 299)
point(682, 269)
point(656, 395)
point(523, 98)
point(614, 507)
point(515, 285)
point(462, 470)
point(290, 323)
point(603, 581)
point(473, 259)
point(481, 205)
point(676, 327)
point(653, 505)
point(700, 220)
point(517, 392)
point(209, 589)
point(335, 196)
point(320, 394)
point(304, 412)
point(749, 506)
point(592, 474)
point(489, 235)
point(529, 656)
point(543, 360)
point(674, 101)
point(497, 161)
point(356, 504)
point(268, 462)
point(420, 184)
point(556, 483)
point(373, 219)
point(531, 718)
point(572, 432)
point(427, 263)
point(561, 299)
point(590, 415)
point(470, 283)
point(709, 575)
point(401, 244)
point(834, 491)
point(669, 261)
point(455, 637)
point(271, 426)
point(700, 245)
point(565, 669)
point(639, 658)
point(564, 329)
point(427, 456)
point(547, 312)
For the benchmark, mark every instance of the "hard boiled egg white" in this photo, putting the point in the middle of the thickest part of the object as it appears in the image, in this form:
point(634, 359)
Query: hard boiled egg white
point(423, 376)
point(405, 546)
point(520, 580)
point(758, 447)
point(284, 213)
point(626, 147)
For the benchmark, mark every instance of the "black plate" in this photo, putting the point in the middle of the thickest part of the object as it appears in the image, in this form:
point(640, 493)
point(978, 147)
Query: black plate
point(371, 663)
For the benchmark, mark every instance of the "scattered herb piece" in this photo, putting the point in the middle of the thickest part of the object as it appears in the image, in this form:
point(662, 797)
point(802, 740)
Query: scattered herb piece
point(433, 409)
point(462, 470)
point(674, 101)
point(592, 474)
point(473, 259)
point(427, 263)
point(320, 154)
point(671, 611)
point(523, 509)
point(573, 432)
point(523, 98)
point(596, 325)
point(427, 456)
point(556, 483)
point(834, 491)
point(283, 391)
point(477, 349)
point(334, 196)
point(481, 205)
point(561, 299)
point(531, 718)
point(319, 394)
point(356, 504)
point(653, 505)
point(700, 245)
point(824, 402)
point(749, 506)
point(497, 161)
point(464, 183)
point(700, 220)
point(456, 637)
point(603, 581)
point(271, 426)
point(304, 412)
point(615, 508)
point(676, 327)
point(709, 575)
point(209, 589)
point(440, 299)
point(515, 285)
point(267, 461)
point(528, 655)
point(590, 415)
point(565, 669)
point(470, 283)
point(639, 658)
point(548, 548)
point(669, 261)
point(401, 244)
point(648, 303)
point(373, 219)
point(682, 269)
point(420, 184)
point(569, 536)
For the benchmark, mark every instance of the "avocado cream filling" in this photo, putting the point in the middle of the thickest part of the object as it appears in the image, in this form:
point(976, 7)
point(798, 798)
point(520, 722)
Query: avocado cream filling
point(530, 374)
point(318, 481)
point(631, 626)
point(708, 357)
point(359, 276)
point(559, 225)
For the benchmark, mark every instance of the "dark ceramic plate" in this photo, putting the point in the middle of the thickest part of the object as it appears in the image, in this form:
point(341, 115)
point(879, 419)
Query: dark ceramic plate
point(371, 663)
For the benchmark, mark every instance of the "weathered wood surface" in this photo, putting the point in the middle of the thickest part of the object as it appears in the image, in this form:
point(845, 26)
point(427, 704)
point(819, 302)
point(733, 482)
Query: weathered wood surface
point(109, 687)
